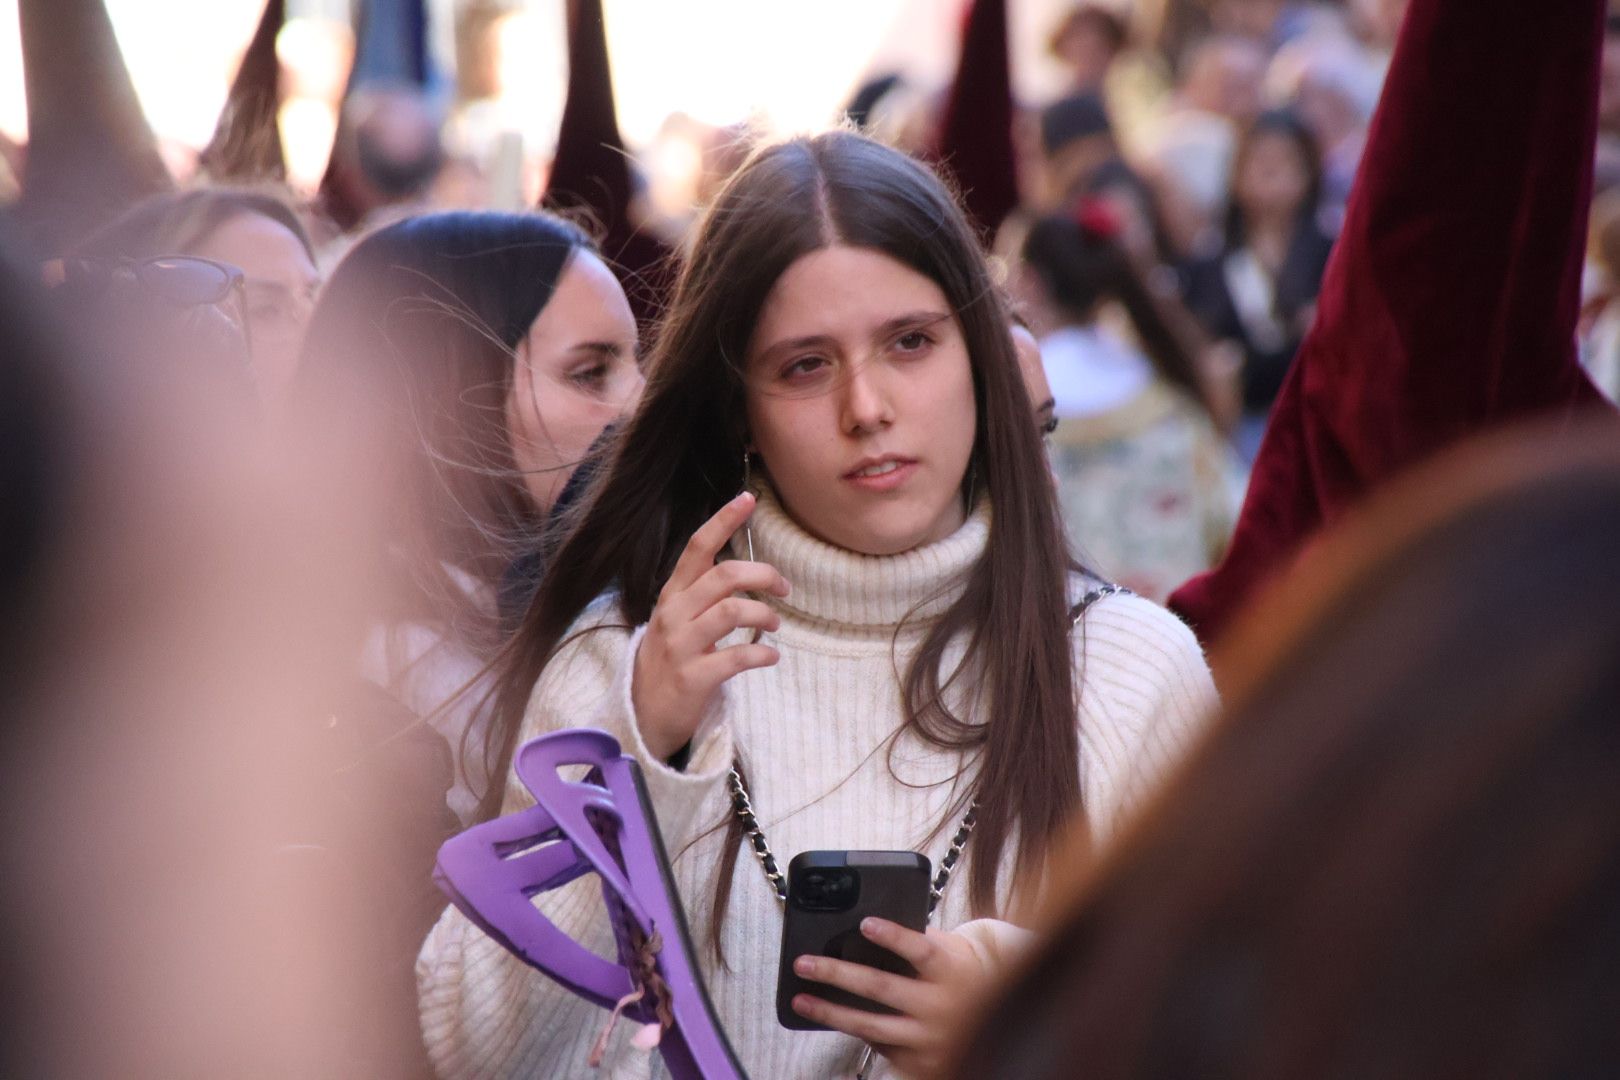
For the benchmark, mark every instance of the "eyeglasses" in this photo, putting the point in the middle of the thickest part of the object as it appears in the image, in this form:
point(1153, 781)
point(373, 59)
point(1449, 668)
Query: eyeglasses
point(185, 281)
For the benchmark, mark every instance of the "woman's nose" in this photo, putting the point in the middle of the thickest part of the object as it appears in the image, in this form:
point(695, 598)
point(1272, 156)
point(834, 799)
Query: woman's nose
point(867, 404)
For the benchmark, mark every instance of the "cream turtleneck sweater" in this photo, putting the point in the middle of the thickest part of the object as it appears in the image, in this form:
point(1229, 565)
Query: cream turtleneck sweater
point(813, 733)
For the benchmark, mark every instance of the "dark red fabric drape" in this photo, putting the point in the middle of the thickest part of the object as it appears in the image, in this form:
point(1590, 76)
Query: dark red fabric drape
point(590, 167)
point(975, 139)
point(591, 170)
point(1449, 306)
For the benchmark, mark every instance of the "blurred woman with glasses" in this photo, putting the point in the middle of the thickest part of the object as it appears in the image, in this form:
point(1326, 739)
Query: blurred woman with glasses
point(253, 231)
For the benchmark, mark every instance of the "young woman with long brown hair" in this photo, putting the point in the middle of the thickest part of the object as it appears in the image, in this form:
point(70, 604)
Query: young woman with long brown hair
point(836, 352)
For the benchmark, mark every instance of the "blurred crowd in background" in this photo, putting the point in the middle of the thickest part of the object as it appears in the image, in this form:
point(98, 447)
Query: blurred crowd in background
point(1199, 152)
point(1181, 169)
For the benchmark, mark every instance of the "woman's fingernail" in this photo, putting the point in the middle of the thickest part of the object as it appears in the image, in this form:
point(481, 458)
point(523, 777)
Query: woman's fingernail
point(804, 965)
point(872, 928)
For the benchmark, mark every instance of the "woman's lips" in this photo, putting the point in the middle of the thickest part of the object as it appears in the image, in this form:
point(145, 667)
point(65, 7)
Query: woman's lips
point(881, 477)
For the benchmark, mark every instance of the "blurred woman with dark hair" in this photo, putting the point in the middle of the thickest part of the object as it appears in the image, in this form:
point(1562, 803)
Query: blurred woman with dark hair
point(1147, 486)
point(1399, 855)
point(1259, 289)
point(483, 353)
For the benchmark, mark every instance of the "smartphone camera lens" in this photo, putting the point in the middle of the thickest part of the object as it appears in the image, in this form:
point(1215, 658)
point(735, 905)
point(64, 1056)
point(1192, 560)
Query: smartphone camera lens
point(827, 889)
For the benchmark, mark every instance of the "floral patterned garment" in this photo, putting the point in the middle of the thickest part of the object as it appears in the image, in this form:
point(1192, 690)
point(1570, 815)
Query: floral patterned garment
point(1149, 490)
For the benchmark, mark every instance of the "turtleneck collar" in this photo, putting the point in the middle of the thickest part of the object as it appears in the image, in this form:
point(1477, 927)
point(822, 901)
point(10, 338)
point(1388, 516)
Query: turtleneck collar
point(833, 585)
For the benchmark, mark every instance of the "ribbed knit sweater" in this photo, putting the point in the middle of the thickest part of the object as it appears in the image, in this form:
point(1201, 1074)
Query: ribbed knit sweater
point(813, 732)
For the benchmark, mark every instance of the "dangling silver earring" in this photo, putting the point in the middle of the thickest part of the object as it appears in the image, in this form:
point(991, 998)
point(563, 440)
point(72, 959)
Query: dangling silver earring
point(748, 526)
point(748, 485)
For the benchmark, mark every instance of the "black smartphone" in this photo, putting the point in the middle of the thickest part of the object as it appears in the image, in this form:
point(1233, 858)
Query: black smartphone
point(829, 893)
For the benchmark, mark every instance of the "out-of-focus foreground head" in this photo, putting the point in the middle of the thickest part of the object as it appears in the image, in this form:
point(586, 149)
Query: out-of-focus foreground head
point(1399, 854)
point(176, 623)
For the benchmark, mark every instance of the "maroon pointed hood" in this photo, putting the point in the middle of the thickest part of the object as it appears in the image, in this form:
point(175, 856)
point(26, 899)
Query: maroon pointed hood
point(976, 139)
point(591, 170)
point(1449, 306)
point(91, 152)
point(247, 140)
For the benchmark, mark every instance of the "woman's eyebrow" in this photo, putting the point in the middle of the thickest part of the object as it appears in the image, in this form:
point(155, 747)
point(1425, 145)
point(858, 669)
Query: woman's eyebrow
point(604, 348)
point(911, 320)
point(809, 341)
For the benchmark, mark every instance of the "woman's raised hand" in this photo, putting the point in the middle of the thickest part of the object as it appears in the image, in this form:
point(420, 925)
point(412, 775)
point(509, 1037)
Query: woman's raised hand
point(678, 670)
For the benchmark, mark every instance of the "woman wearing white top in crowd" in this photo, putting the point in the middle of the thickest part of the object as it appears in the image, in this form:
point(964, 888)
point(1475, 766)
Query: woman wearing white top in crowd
point(875, 633)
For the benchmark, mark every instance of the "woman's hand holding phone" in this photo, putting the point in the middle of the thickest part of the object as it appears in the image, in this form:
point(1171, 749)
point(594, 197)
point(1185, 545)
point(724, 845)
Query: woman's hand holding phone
point(678, 670)
point(931, 1007)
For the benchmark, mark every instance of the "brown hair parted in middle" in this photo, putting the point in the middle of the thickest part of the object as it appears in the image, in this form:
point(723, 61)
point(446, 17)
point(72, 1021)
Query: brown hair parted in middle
point(680, 459)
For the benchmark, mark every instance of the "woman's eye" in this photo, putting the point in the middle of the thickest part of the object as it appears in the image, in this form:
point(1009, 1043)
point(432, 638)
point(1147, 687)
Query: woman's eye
point(591, 377)
point(803, 367)
point(915, 341)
